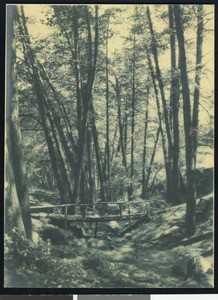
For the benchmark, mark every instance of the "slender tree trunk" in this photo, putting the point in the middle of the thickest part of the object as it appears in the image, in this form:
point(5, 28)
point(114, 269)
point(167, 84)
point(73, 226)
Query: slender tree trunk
point(143, 194)
point(133, 118)
point(161, 87)
point(46, 111)
point(159, 79)
point(69, 149)
point(121, 127)
point(174, 100)
point(152, 160)
point(190, 170)
point(90, 168)
point(87, 99)
point(164, 144)
point(101, 171)
point(199, 43)
point(17, 167)
point(108, 164)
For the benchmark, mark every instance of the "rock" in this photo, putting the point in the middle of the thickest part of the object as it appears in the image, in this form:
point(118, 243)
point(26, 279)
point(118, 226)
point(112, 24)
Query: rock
point(54, 234)
point(35, 237)
point(113, 227)
point(36, 224)
point(204, 181)
point(78, 231)
point(179, 269)
point(201, 266)
point(204, 208)
point(96, 243)
point(78, 242)
point(194, 267)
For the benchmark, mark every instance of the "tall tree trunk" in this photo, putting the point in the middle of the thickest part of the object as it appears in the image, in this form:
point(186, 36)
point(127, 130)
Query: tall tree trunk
point(87, 99)
point(133, 117)
point(164, 144)
point(17, 167)
point(152, 160)
point(199, 43)
point(121, 126)
point(108, 163)
point(13, 213)
point(101, 171)
point(45, 114)
point(161, 87)
point(174, 100)
point(143, 194)
point(90, 168)
point(190, 170)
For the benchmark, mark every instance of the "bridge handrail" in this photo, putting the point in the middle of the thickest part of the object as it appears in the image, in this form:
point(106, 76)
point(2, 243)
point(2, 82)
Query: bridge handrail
point(83, 204)
point(48, 208)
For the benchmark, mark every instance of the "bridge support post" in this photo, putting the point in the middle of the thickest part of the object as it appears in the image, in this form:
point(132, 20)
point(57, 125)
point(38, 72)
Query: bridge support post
point(65, 217)
point(121, 212)
point(96, 228)
point(129, 215)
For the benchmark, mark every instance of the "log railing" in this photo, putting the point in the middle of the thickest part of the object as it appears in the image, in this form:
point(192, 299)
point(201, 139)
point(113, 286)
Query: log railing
point(50, 208)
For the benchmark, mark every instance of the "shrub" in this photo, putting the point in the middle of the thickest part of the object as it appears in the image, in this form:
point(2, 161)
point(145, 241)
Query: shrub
point(101, 264)
point(31, 256)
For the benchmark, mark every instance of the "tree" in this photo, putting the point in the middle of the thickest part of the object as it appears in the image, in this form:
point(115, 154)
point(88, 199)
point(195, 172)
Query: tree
point(174, 100)
point(16, 174)
point(144, 185)
point(190, 136)
point(198, 68)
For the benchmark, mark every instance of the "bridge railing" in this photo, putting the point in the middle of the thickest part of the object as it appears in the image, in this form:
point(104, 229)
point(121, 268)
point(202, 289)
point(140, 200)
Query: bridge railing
point(102, 208)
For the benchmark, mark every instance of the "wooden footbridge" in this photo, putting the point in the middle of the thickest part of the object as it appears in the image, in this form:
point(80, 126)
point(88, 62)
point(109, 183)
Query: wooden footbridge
point(91, 212)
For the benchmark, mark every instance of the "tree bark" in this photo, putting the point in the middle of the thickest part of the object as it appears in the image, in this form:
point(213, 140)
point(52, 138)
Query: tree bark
point(160, 81)
point(45, 111)
point(199, 44)
point(101, 171)
point(190, 170)
point(87, 99)
point(174, 100)
point(17, 166)
point(143, 194)
point(108, 160)
point(164, 144)
point(13, 213)
point(121, 127)
point(133, 117)
point(152, 160)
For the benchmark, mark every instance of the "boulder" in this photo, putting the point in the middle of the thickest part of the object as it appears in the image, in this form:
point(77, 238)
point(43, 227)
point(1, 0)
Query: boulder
point(54, 234)
point(195, 267)
point(78, 242)
point(201, 266)
point(113, 227)
point(96, 243)
point(204, 181)
point(37, 224)
point(179, 269)
point(78, 231)
point(35, 237)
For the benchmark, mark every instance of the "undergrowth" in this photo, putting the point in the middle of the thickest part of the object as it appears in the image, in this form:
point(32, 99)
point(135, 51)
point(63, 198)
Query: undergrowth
point(29, 256)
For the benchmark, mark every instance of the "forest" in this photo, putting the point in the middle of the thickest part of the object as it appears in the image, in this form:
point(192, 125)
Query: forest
point(109, 146)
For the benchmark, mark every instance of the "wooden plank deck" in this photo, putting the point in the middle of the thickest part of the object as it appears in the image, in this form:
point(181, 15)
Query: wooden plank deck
point(67, 218)
point(78, 218)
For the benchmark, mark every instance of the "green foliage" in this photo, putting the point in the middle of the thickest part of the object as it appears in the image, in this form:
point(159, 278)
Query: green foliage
point(101, 264)
point(37, 257)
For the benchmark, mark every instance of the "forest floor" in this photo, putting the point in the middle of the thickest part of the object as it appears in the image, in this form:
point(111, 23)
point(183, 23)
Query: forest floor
point(142, 258)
